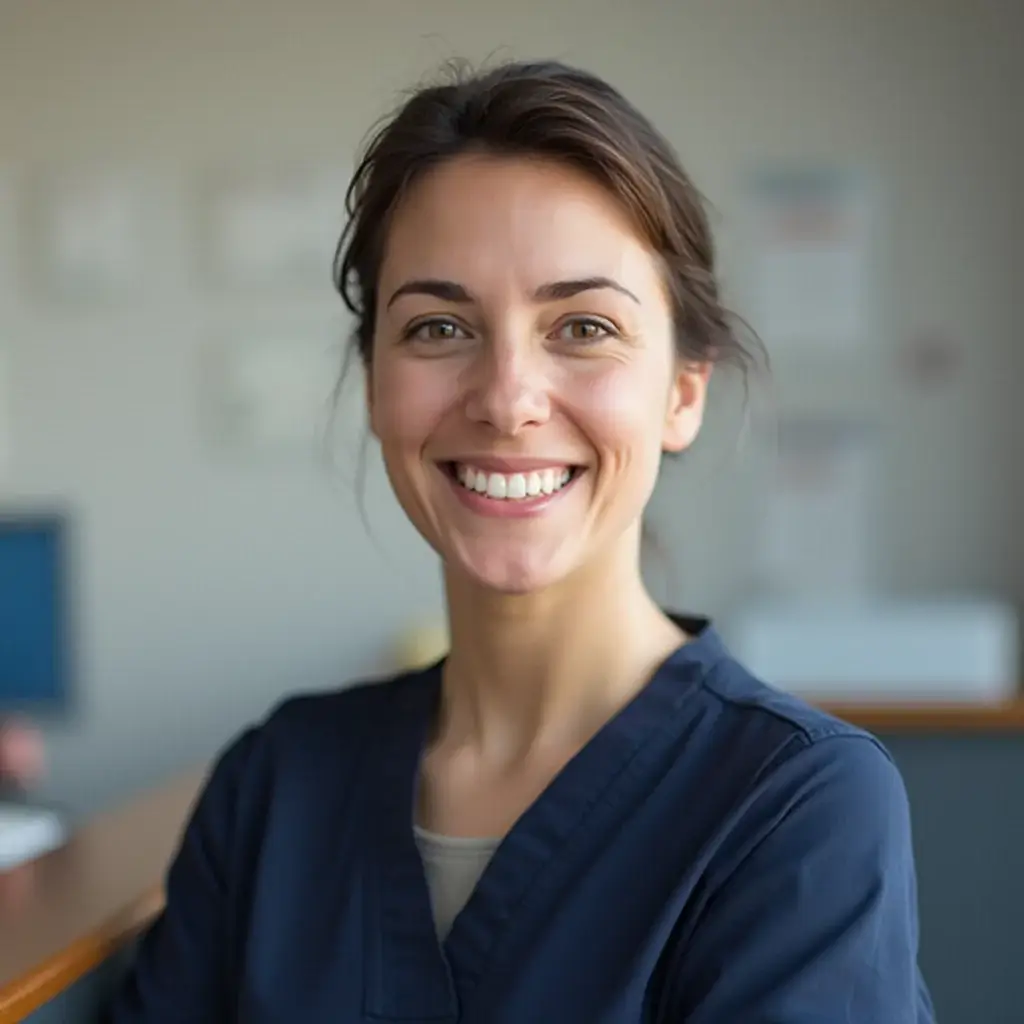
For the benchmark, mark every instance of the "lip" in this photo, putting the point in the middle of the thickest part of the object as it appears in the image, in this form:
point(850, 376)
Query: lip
point(510, 464)
point(522, 508)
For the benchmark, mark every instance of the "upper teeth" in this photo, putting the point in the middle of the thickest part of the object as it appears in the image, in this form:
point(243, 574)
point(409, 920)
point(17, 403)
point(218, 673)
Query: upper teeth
point(513, 486)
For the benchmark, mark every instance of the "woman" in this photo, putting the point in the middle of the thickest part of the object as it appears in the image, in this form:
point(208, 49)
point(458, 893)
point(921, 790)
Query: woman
point(587, 812)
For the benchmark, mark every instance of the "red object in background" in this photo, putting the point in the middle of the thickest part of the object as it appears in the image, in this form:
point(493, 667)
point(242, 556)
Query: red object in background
point(21, 752)
point(930, 359)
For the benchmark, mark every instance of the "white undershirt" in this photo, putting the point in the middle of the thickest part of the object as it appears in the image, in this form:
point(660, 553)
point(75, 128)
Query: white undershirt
point(453, 866)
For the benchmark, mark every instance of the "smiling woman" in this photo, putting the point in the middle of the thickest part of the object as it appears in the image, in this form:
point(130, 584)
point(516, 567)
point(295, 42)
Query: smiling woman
point(587, 811)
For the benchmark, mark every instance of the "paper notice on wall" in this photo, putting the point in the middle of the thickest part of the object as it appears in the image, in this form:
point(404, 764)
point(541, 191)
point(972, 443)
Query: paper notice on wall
point(816, 520)
point(810, 260)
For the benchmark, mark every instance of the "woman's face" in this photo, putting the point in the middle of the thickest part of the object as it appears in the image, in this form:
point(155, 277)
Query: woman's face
point(524, 381)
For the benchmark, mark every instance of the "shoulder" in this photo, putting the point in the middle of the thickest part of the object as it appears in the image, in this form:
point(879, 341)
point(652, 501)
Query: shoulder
point(342, 712)
point(773, 722)
point(799, 771)
point(808, 893)
point(742, 696)
point(348, 712)
point(306, 738)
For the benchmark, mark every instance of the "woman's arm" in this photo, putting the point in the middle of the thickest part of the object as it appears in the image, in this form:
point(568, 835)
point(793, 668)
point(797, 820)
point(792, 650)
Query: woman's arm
point(183, 967)
point(812, 914)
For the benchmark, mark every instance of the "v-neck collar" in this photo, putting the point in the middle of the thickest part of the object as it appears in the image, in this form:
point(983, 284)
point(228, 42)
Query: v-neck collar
point(410, 977)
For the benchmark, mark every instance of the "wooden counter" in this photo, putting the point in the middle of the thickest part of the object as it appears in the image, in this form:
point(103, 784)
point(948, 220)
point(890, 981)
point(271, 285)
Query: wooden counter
point(935, 717)
point(83, 902)
point(89, 898)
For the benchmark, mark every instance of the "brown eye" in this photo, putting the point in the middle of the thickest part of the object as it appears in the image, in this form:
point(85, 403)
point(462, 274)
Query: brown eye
point(436, 330)
point(585, 329)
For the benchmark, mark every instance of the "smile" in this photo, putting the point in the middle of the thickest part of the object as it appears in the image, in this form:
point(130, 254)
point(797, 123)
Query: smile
point(493, 491)
point(512, 486)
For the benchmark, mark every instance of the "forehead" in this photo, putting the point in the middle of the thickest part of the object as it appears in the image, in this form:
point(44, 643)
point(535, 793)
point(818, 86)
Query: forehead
point(492, 221)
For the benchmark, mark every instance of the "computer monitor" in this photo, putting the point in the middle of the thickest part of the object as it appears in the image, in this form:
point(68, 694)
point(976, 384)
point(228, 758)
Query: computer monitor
point(35, 641)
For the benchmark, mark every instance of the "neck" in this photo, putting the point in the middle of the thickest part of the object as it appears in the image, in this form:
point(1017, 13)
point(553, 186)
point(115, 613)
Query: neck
point(550, 667)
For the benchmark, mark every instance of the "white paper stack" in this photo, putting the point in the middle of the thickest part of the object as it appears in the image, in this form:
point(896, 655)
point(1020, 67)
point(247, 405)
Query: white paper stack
point(952, 650)
point(26, 833)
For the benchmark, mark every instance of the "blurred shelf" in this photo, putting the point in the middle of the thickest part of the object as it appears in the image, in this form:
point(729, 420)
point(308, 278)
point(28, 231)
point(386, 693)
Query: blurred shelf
point(932, 716)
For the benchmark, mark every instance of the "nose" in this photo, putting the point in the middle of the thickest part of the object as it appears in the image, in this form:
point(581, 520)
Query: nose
point(509, 389)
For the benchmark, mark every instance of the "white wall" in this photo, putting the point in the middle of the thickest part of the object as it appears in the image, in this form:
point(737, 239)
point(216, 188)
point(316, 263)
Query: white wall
point(208, 589)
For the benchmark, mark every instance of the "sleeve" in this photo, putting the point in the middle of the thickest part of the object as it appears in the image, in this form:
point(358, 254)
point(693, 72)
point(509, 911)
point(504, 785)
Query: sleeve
point(181, 968)
point(813, 915)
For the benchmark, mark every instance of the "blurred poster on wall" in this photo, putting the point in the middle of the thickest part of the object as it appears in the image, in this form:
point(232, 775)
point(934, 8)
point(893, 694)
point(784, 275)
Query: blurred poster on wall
point(273, 231)
point(89, 235)
point(815, 526)
point(810, 259)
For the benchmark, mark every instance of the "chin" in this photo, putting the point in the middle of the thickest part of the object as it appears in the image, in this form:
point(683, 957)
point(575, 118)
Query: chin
point(513, 574)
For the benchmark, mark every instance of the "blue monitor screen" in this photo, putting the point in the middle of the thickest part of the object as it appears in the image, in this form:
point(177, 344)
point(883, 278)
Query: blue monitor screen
point(33, 634)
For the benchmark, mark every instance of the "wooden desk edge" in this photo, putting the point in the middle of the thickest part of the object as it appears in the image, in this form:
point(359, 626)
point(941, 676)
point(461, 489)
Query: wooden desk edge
point(935, 717)
point(64, 968)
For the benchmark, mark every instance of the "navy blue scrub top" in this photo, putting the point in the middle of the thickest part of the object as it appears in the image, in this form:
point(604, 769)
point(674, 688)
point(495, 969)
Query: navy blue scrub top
point(719, 853)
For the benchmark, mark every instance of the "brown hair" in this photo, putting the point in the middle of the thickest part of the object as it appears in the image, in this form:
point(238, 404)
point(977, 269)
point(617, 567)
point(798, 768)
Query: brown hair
point(550, 110)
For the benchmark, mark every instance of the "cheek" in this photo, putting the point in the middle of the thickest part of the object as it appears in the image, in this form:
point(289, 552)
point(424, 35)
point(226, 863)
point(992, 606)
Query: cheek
point(409, 400)
point(621, 408)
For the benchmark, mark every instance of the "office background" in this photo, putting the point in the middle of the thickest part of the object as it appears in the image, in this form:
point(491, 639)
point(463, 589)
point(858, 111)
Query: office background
point(209, 586)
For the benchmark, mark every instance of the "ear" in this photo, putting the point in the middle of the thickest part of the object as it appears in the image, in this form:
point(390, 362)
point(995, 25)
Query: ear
point(686, 402)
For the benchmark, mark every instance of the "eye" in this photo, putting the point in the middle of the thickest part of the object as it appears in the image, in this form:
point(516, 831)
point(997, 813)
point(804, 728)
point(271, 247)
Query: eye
point(585, 329)
point(435, 329)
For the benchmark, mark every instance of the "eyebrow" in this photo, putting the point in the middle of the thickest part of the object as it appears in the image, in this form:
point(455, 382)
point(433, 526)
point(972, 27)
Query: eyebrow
point(452, 291)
